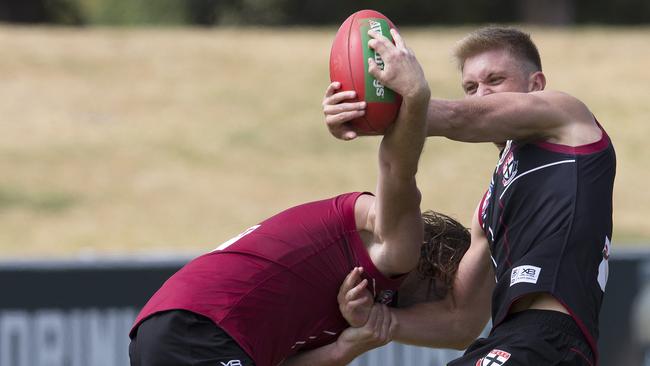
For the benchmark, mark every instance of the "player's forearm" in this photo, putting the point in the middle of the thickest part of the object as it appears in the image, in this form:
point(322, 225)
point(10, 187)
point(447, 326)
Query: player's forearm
point(431, 324)
point(398, 220)
point(402, 144)
point(457, 320)
point(333, 354)
point(437, 325)
point(492, 118)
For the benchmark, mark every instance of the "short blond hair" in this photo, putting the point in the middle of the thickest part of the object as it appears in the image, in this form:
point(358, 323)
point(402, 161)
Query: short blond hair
point(518, 43)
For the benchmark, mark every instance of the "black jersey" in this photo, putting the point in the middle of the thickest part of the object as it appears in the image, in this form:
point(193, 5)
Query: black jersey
point(548, 218)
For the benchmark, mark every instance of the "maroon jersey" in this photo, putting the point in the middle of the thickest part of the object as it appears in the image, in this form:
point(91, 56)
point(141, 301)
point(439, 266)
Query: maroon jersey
point(273, 288)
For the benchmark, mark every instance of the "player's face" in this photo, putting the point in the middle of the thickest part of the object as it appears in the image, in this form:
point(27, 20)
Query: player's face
point(494, 71)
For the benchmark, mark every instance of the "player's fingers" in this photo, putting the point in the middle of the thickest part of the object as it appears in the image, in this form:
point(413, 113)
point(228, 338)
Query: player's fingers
point(358, 291)
point(349, 282)
point(399, 41)
point(343, 107)
point(334, 86)
point(338, 120)
point(373, 317)
point(343, 130)
point(379, 42)
point(393, 325)
point(361, 302)
point(353, 278)
point(386, 322)
point(349, 134)
point(378, 329)
point(373, 69)
point(339, 97)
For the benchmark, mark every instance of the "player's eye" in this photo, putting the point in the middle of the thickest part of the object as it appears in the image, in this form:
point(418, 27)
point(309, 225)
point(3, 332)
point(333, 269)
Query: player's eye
point(470, 89)
point(496, 80)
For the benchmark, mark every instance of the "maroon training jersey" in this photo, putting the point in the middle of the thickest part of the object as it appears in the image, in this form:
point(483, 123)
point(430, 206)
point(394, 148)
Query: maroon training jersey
point(273, 288)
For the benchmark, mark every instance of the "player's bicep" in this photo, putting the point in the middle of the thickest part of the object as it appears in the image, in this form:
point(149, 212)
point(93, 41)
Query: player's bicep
point(510, 116)
point(538, 115)
point(398, 200)
point(398, 226)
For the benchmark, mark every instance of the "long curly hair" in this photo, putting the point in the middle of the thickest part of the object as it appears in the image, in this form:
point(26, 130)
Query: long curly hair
point(445, 242)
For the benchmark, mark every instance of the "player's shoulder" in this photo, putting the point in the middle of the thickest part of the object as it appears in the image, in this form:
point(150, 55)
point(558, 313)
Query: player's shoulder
point(577, 123)
point(570, 106)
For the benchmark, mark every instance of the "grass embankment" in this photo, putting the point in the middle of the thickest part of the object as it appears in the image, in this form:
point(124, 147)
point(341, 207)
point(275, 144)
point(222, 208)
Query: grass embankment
point(125, 140)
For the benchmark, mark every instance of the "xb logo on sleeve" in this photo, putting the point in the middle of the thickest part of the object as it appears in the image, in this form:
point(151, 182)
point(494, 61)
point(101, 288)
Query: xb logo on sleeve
point(527, 273)
point(231, 363)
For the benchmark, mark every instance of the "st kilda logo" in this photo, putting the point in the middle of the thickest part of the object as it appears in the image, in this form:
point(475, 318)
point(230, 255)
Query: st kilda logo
point(496, 357)
point(509, 168)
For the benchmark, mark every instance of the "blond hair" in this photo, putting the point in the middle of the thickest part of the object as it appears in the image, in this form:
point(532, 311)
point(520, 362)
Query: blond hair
point(491, 38)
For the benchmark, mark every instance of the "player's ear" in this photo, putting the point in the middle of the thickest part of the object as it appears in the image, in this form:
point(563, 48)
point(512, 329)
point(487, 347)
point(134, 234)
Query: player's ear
point(536, 81)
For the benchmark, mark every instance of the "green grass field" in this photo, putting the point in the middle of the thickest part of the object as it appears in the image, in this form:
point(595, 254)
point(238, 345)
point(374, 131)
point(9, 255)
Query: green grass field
point(135, 140)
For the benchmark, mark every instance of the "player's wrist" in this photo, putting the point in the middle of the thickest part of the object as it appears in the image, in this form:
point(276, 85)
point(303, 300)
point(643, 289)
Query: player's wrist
point(344, 351)
point(352, 343)
point(419, 91)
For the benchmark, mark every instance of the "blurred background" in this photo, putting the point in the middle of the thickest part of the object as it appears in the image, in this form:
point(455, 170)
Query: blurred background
point(135, 135)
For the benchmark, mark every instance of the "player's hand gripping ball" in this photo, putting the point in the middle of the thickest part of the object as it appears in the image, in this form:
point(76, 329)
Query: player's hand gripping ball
point(349, 66)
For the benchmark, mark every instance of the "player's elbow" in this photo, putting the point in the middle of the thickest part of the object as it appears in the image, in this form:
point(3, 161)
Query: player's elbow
point(463, 332)
point(460, 344)
point(402, 261)
point(395, 167)
point(463, 339)
point(465, 323)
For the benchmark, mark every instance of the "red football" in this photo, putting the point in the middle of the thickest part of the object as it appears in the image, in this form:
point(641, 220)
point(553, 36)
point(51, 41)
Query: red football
point(349, 66)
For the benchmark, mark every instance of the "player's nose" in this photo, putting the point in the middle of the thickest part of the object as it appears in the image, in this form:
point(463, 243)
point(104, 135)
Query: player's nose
point(484, 90)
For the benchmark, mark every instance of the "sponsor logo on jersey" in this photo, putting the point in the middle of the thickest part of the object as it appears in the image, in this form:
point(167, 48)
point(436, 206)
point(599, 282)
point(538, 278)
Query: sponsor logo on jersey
point(504, 154)
point(509, 168)
point(231, 363)
point(603, 268)
point(528, 274)
point(496, 357)
point(385, 297)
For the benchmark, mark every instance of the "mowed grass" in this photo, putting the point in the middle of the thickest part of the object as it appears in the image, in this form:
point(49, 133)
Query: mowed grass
point(117, 141)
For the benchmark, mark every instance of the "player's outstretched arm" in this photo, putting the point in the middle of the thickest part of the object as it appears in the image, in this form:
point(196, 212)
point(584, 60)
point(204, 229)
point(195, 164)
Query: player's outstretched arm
point(397, 224)
point(457, 320)
point(539, 115)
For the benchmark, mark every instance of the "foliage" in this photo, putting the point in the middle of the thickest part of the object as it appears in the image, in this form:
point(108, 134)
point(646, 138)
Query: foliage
point(314, 12)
